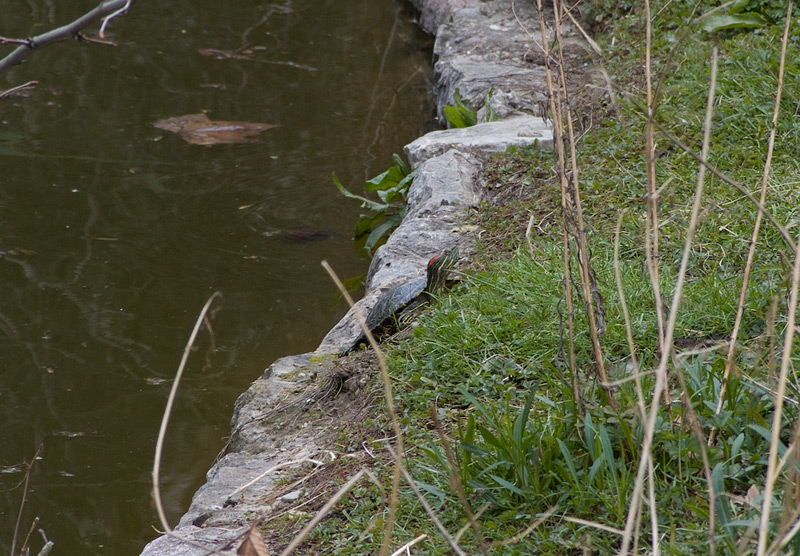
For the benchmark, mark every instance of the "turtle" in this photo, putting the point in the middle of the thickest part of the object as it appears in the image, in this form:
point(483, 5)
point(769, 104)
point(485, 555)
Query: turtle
point(394, 307)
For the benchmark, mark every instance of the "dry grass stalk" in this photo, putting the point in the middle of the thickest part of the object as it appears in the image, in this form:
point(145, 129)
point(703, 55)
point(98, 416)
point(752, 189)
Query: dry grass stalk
point(323, 511)
point(28, 469)
point(594, 303)
point(661, 371)
point(757, 226)
point(772, 467)
point(572, 214)
point(272, 470)
point(201, 318)
point(555, 111)
point(406, 547)
point(387, 388)
point(651, 226)
point(651, 489)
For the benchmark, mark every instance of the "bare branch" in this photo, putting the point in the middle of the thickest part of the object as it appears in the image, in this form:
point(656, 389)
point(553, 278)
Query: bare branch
point(108, 18)
point(13, 90)
point(107, 9)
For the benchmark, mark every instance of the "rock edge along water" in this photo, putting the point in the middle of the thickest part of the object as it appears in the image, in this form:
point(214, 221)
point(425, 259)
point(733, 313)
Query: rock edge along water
point(480, 45)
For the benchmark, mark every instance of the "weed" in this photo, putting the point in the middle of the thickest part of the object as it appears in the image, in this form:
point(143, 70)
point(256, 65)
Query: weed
point(392, 189)
point(461, 115)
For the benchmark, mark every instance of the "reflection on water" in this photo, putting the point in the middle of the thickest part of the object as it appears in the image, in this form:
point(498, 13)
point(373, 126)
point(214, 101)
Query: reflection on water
point(114, 233)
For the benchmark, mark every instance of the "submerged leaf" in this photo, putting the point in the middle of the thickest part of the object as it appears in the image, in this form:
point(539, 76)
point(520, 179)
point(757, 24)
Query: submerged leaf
point(197, 129)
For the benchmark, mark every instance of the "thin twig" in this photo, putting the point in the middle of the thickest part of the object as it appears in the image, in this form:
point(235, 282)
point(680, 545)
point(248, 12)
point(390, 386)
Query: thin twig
point(28, 468)
point(558, 139)
point(594, 303)
point(409, 544)
point(273, 469)
point(694, 424)
point(651, 228)
point(530, 528)
point(594, 524)
point(13, 90)
point(108, 18)
point(460, 533)
point(651, 489)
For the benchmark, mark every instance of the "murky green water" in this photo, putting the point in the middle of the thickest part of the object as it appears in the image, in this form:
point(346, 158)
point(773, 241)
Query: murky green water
point(114, 233)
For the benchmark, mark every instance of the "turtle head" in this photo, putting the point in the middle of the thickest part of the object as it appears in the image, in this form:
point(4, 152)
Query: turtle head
point(438, 267)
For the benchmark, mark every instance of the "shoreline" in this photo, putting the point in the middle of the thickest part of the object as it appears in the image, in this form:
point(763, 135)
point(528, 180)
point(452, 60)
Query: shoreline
point(479, 46)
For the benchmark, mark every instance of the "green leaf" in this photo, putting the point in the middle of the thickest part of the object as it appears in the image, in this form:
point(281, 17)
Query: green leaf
point(722, 500)
point(767, 435)
point(490, 438)
point(509, 486)
point(568, 459)
point(406, 181)
point(473, 449)
point(522, 419)
point(435, 491)
point(738, 6)
point(389, 178)
point(392, 196)
point(365, 224)
point(491, 115)
point(377, 234)
point(720, 22)
point(453, 116)
point(401, 164)
point(365, 203)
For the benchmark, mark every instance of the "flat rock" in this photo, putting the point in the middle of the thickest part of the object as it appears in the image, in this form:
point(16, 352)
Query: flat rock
point(489, 137)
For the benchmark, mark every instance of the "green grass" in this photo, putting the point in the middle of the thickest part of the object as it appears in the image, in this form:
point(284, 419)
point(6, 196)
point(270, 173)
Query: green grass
point(491, 359)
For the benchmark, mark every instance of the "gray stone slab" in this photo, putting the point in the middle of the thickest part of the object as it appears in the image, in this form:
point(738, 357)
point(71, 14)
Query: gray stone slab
point(481, 139)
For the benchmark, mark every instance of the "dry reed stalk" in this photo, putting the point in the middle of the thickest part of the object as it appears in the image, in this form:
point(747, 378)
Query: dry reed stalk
point(651, 225)
point(387, 390)
point(757, 226)
point(772, 467)
point(651, 488)
point(791, 496)
point(590, 293)
point(555, 111)
point(661, 371)
point(693, 421)
point(28, 469)
point(201, 319)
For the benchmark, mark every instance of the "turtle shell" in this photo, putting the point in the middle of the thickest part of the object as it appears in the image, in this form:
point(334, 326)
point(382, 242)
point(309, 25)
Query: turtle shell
point(392, 303)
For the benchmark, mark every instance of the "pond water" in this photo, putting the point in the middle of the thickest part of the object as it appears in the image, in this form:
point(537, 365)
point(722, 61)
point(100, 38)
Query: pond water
point(114, 233)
